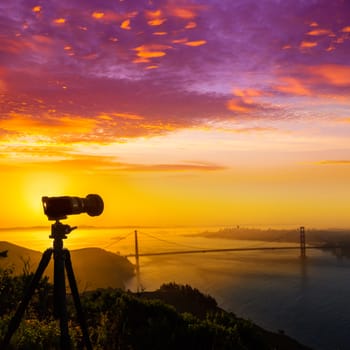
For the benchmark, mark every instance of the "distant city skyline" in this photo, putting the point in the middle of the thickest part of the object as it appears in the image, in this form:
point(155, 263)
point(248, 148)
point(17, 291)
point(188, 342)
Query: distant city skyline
point(177, 112)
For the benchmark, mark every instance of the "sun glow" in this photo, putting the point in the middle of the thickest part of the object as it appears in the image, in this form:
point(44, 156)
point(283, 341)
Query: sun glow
point(37, 185)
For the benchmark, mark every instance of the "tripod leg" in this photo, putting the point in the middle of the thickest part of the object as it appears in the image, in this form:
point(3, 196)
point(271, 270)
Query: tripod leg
point(76, 298)
point(59, 295)
point(16, 319)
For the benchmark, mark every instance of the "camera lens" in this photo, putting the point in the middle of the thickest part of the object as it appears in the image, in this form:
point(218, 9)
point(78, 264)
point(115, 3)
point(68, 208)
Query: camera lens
point(94, 205)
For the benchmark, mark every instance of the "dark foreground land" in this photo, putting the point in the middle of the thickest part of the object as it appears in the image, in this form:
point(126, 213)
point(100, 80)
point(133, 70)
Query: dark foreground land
point(173, 317)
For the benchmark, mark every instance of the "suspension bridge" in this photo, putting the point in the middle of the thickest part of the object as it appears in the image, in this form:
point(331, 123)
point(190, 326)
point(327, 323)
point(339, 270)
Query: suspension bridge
point(301, 247)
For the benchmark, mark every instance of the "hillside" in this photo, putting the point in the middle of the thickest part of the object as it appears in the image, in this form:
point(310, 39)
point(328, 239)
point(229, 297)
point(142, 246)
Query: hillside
point(186, 299)
point(93, 267)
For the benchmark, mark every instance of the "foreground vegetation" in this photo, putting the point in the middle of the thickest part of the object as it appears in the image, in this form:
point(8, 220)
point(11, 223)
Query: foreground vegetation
point(124, 320)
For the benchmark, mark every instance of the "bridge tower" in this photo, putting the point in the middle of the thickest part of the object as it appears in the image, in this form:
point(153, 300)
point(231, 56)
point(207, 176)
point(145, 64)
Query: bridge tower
point(302, 243)
point(137, 261)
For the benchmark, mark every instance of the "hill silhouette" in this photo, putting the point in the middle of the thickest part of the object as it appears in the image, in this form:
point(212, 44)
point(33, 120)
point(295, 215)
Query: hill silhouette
point(93, 267)
point(313, 236)
point(186, 299)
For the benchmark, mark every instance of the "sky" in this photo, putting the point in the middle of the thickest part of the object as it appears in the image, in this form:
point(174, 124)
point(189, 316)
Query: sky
point(177, 112)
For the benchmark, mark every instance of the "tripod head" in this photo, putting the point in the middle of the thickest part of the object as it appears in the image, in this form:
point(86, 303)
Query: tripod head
point(59, 232)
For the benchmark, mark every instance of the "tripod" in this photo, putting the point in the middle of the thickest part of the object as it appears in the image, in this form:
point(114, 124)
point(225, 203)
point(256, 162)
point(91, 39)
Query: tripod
point(61, 260)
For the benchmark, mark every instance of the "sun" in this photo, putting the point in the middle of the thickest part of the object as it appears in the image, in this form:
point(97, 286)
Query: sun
point(37, 185)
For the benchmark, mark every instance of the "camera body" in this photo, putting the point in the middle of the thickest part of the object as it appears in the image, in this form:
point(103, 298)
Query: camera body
point(57, 208)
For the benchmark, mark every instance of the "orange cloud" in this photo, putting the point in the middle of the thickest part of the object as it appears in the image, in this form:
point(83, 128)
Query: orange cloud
point(17, 123)
point(334, 162)
point(41, 151)
point(12, 46)
point(317, 32)
point(47, 125)
point(156, 22)
point(160, 33)
point(158, 127)
point(247, 93)
point(191, 25)
point(128, 116)
point(185, 13)
point(307, 44)
point(59, 21)
point(75, 124)
point(107, 16)
point(196, 43)
point(151, 50)
point(293, 86)
point(189, 11)
point(344, 120)
point(340, 40)
point(65, 159)
point(43, 39)
point(155, 18)
point(237, 106)
point(308, 81)
point(153, 14)
point(242, 101)
point(253, 129)
point(172, 167)
point(36, 9)
point(141, 60)
point(180, 41)
point(97, 15)
point(346, 29)
point(126, 24)
point(334, 74)
point(38, 43)
point(151, 54)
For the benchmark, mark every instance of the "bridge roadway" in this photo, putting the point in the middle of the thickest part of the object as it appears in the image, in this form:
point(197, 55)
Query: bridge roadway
point(196, 251)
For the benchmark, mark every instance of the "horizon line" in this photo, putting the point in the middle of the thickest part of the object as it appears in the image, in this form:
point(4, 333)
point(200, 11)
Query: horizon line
point(136, 227)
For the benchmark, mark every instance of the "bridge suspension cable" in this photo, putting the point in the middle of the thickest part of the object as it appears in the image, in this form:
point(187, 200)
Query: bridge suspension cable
point(116, 241)
point(170, 242)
